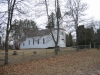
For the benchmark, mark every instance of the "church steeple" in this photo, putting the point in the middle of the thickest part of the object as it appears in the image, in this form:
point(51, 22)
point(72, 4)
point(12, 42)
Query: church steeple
point(51, 20)
point(58, 13)
point(58, 16)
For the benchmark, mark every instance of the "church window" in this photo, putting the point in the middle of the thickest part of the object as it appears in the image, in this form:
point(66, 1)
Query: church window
point(33, 41)
point(29, 42)
point(43, 41)
point(38, 41)
point(23, 44)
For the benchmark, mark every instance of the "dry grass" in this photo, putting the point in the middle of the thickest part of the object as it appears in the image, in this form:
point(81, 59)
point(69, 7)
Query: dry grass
point(76, 63)
point(28, 55)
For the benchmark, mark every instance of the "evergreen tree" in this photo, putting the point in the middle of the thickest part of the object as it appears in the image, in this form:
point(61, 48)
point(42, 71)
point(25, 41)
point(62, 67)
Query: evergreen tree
point(81, 35)
point(97, 37)
point(69, 41)
point(85, 35)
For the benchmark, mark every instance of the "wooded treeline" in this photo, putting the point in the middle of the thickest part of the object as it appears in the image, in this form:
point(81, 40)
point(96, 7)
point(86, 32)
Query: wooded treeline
point(86, 36)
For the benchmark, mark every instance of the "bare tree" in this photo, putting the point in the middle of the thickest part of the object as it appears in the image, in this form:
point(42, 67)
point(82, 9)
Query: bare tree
point(58, 17)
point(76, 12)
point(12, 10)
point(11, 5)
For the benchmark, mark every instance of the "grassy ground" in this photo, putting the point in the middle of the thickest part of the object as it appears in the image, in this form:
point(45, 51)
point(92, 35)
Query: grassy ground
point(74, 63)
point(28, 55)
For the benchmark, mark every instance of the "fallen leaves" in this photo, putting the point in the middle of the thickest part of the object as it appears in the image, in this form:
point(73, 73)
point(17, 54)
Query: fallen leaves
point(77, 62)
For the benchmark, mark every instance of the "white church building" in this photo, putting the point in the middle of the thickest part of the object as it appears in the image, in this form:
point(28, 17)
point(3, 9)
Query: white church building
point(43, 38)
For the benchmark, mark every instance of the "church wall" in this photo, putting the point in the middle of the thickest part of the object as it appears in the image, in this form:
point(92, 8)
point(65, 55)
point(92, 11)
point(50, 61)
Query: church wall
point(38, 42)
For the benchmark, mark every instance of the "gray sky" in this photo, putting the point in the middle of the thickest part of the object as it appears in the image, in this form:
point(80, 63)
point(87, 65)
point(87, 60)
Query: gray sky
point(93, 10)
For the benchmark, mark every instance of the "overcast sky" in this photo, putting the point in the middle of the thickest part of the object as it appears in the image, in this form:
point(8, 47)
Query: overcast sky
point(94, 8)
point(92, 11)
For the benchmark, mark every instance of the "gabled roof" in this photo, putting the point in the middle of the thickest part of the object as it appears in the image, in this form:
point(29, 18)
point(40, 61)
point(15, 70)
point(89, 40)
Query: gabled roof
point(41, 32)
point(37, 33)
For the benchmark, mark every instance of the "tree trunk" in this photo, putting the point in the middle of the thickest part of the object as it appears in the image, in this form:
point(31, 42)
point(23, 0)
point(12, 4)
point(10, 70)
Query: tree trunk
point(58, 15)
point(6, 50)
point(0, 42)
point(11, 5)
point(77, 39)
point(56, 48)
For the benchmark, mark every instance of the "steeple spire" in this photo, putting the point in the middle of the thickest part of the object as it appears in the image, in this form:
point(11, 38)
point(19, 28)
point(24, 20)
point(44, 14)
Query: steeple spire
point(58, 12)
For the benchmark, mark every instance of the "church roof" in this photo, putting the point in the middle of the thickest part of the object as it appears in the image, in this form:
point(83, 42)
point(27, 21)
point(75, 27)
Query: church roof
point(37, 33)
point(41, 32)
